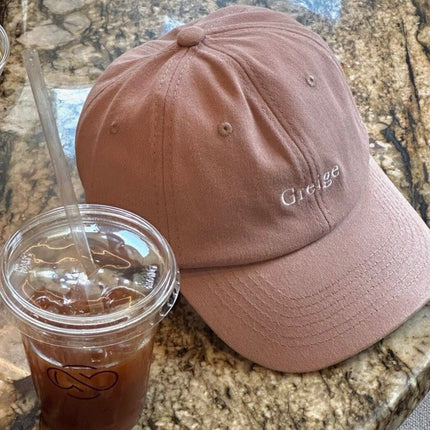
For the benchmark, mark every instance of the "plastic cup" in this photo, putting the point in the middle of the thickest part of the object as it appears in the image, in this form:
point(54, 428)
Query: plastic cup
point(90, 371)
point(4, 48)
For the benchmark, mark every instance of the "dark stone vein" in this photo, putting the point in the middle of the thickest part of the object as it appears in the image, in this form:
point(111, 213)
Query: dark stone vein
point(410, 68)
point(426, 172)
point(423, 13)
point(6, 140)
point(419, 350)
point(331, 395)
point(3, 10)
point(390, 136)
point(418, 199)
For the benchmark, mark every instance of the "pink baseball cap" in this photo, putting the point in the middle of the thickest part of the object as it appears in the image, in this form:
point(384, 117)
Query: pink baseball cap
point(238, 138)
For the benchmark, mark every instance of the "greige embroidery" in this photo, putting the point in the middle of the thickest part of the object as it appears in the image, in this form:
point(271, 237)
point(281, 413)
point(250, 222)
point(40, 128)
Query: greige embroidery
point(292, 195)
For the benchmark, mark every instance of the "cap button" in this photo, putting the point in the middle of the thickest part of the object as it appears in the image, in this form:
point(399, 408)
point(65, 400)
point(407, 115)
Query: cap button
point(190, 36)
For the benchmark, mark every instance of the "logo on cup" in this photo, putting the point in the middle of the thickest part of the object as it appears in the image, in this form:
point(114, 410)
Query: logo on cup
point(82, 382)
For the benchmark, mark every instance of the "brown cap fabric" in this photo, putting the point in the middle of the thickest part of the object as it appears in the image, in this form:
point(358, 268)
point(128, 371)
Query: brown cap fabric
point(238, 138)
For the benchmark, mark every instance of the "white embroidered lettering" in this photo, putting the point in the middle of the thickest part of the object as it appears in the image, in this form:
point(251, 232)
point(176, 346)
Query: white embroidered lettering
point(288, 197)
point(335, 171)
point(292, 195)
point(310, 189)
point(327, 180)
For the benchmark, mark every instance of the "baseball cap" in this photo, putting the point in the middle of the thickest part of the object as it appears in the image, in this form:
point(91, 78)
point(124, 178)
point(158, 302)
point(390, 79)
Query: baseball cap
point(237, 136)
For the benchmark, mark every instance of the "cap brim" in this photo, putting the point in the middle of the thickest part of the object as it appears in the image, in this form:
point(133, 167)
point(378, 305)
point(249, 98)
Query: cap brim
point(327, 301)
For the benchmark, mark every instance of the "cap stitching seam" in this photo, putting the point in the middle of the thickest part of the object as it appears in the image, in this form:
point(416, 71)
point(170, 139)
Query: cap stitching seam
point(105, 87)
point(352, 279)
point(409, 254)
point(223, 266)
point(369, 272)
point(333, 303)
point(388, 241)
point(317, 40)
point(152, 47)
point(92, 179)
point(319, 198)
point(91, 99)
point(178, 244)
point(334, 327)
point(228, 55)
point(266, 109)
point(93, 158)
point(191, 270)
point(160, 132)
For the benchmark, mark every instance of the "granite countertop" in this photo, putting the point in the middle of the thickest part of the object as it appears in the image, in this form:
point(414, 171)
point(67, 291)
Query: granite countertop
point(196, 381)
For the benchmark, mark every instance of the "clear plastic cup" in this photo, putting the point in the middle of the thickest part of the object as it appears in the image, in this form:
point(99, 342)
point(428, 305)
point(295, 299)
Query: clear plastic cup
point(90, 370)
point(4, 48)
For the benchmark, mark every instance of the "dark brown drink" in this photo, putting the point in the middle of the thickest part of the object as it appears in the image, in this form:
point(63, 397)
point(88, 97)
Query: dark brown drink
point(91, 387)
point(83, 391)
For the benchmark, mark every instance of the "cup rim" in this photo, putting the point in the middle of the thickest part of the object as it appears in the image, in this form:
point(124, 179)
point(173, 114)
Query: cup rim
point(6, 52)
point(144, 309)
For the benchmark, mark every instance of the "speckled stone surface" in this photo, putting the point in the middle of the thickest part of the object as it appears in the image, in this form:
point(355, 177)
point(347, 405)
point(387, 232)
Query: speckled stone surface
point(196, 381)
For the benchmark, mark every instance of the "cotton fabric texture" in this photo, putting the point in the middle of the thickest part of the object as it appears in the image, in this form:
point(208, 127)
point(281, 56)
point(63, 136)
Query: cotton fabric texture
point(238, 138)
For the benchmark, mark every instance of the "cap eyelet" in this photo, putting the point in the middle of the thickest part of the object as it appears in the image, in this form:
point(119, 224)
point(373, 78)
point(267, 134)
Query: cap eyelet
point(310, 80)
point(225, 129)
point(114, 127)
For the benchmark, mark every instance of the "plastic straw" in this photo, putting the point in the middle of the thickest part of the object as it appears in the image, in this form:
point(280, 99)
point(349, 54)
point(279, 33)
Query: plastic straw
point(67, 193)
